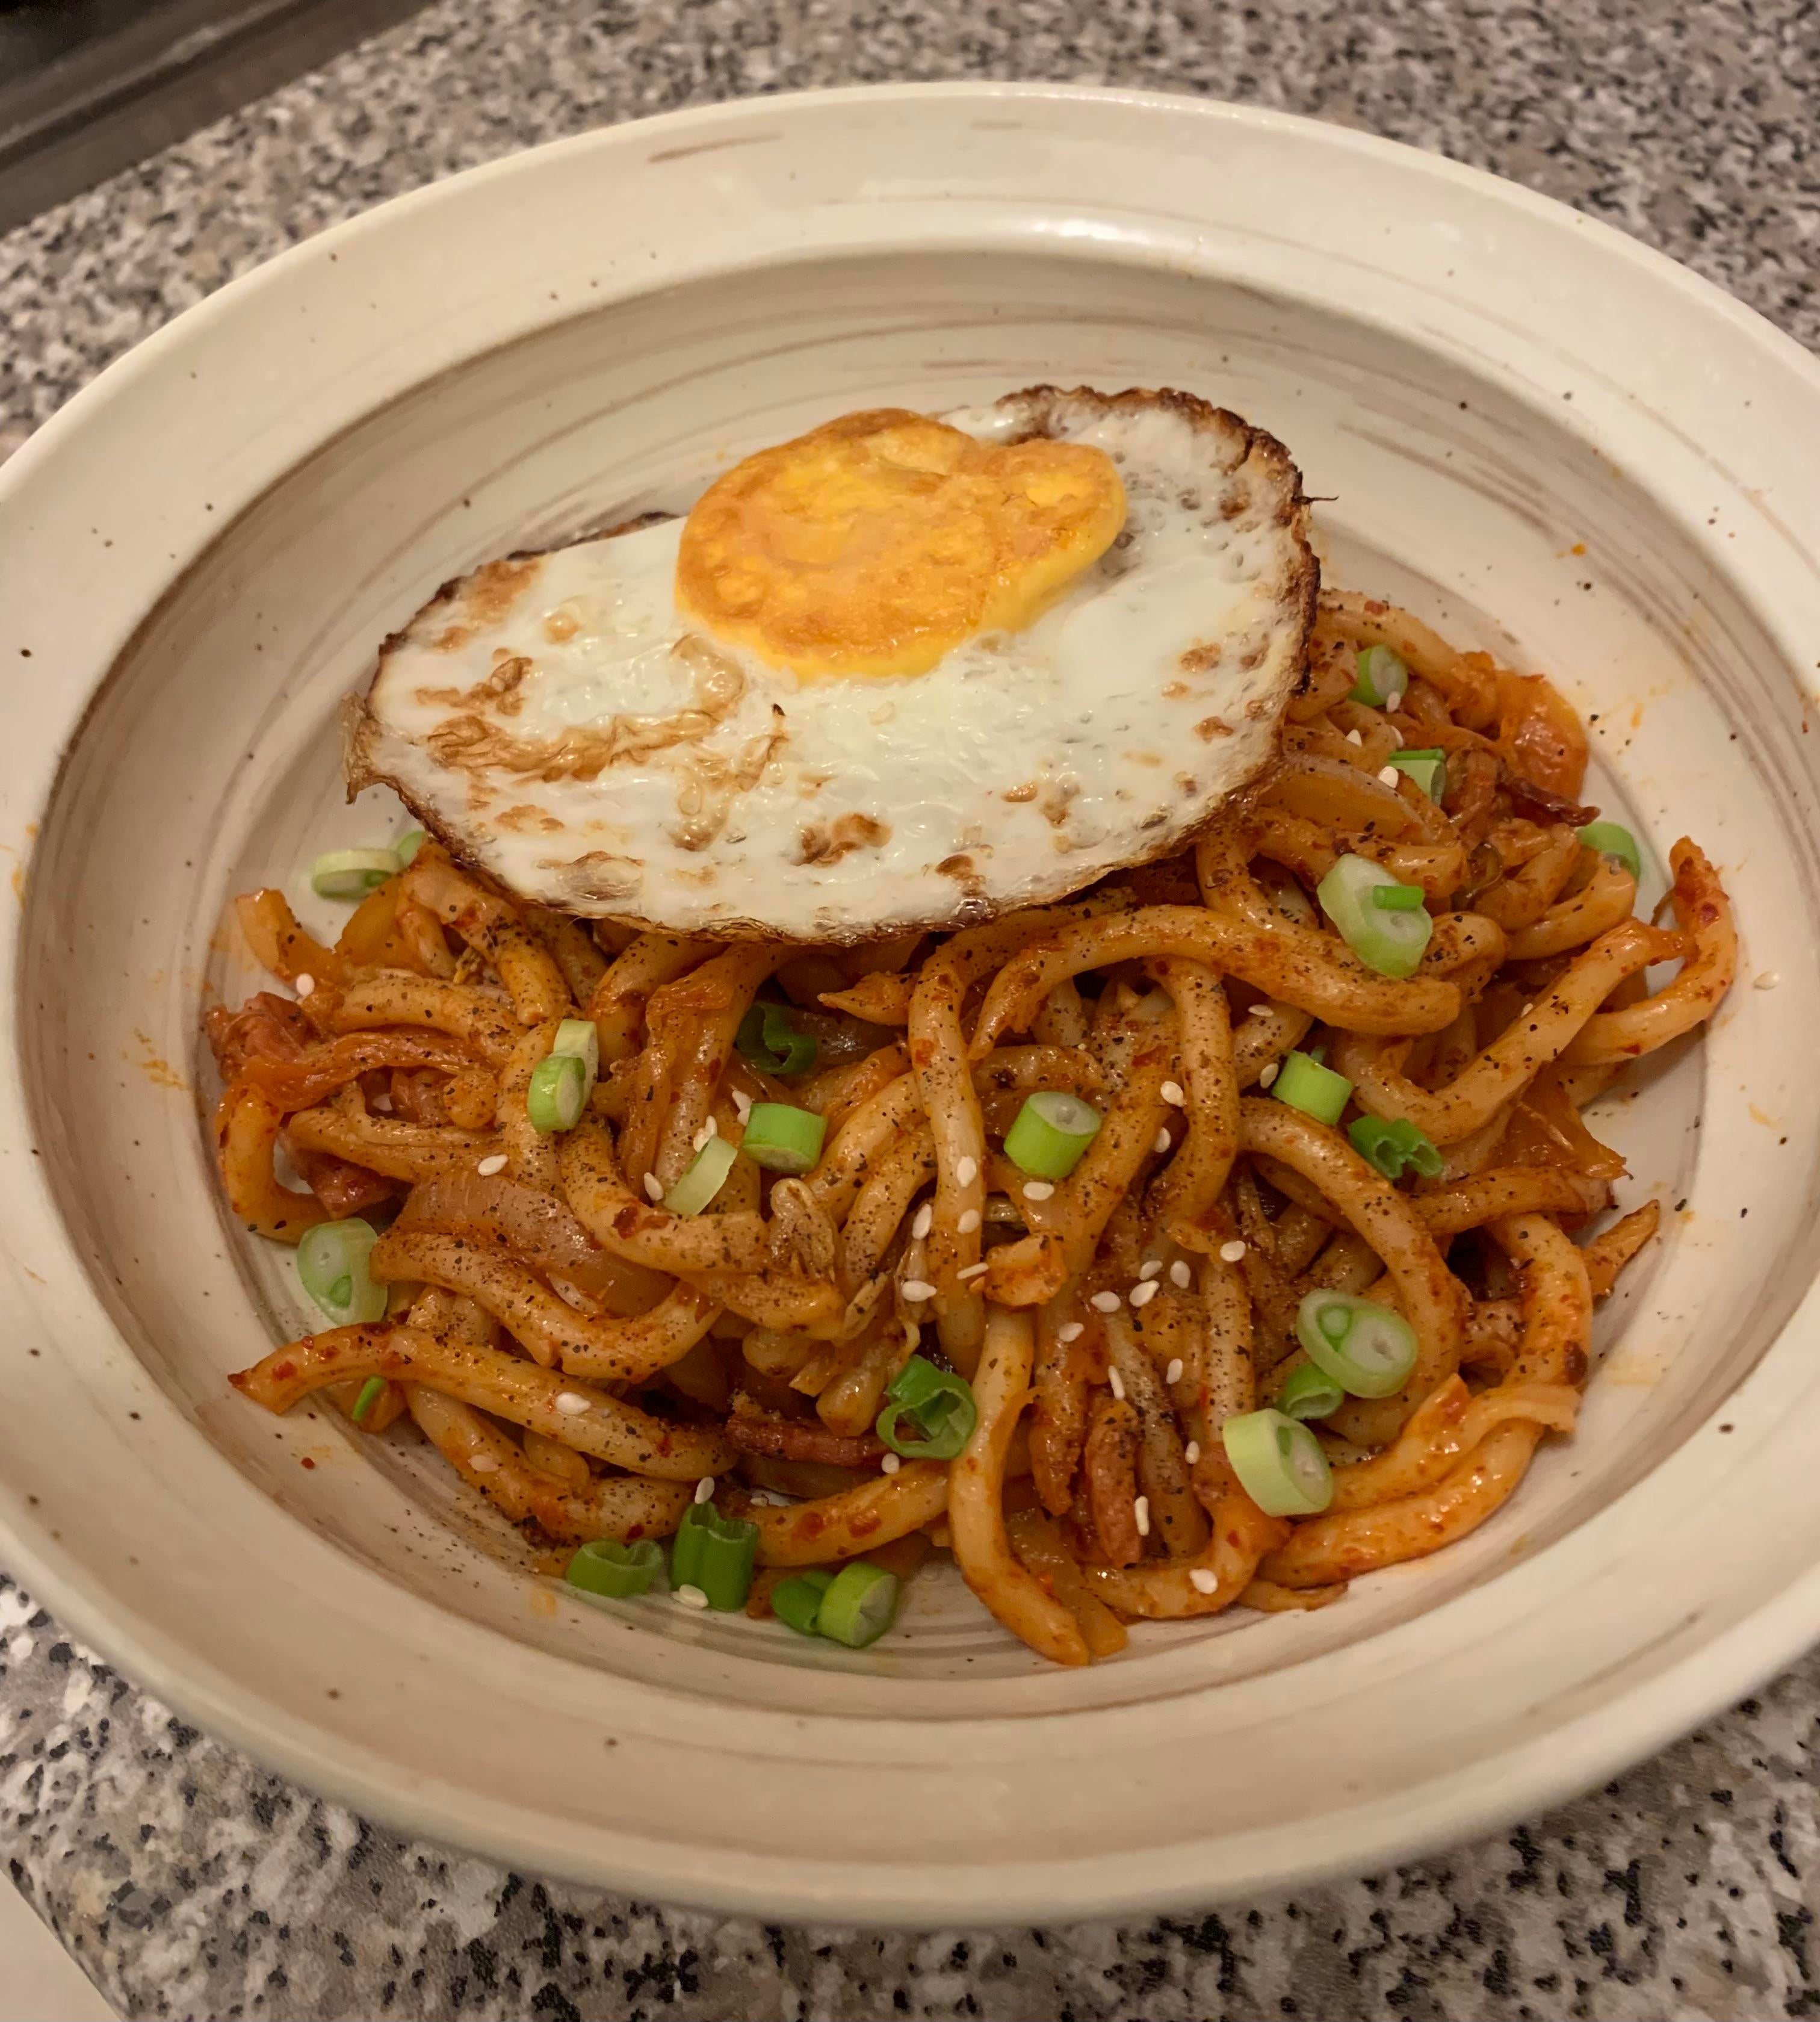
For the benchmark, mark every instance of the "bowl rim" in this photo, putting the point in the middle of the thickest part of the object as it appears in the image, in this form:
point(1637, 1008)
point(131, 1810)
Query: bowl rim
point(1551, 1765)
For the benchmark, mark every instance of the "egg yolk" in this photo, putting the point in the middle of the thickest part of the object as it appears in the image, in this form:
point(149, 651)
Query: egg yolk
point(875, 543)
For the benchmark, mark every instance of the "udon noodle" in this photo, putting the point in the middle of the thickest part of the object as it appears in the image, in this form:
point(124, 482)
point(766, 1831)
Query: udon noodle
point(583, 1358)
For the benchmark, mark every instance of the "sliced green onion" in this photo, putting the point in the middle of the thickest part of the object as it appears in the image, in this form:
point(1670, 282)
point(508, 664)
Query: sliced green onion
point(767, 1038)
point(1309, 1392)
point(716, 1554)
point(1397, 898)
point(558, 1093)
point(1279, 1464)
point(352, 873)
point(798, 1599)
point(859, 1606)
point(782, 1139)
point(1317, 1091)
point(1612, 839)
point(407, 846)
point(1383, 677)
point(371, 1391)
point(1393, 1145)
point(581, 1037)
point(706, 1176)
point(605, 1566)
point(1052, 1132)
point(1389, 941)
point(940, 1405)
point(1426, 766)
point(1367, 1349)
point(331, 1261)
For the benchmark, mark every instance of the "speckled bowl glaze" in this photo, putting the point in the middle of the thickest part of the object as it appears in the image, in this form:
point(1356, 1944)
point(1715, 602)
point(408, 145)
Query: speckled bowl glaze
point(1545, 438)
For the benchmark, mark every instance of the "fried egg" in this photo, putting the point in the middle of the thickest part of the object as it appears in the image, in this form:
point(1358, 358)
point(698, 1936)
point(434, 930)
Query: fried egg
point(899, 673)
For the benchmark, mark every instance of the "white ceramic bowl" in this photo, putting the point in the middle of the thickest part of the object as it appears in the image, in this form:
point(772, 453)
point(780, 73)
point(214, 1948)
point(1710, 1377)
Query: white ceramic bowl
point(1536, 431)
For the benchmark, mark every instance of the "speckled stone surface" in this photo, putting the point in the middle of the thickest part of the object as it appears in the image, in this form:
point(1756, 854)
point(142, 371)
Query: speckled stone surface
point(189, 1883)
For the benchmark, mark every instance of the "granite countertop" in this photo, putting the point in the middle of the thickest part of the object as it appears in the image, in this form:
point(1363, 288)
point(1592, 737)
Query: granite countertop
point(188, 1882)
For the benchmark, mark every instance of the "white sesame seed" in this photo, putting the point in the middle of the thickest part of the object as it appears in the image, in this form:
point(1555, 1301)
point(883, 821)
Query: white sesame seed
point(305, 986)
point(1069, 1330)
point(966, 1172)
point(1268, 1076)
point(705, 1489)
point(1396, 737)
point(571, 1404)
point(1153, 1269)
point(653, 1187)
point(691, 1596)
point(1142, 1293)
point(484, 1463)
point(701, 1136)
point(1116, 1383)
point(380, 1104)
point(916, 1290)
point(1105, 1302)
point(1163, 1140)
point(972, 1272)
point(1203, 1581)
point(968, 1222)
point(1262, 1008)
point(1174, 1373)
point(890, 1464)
point(487, 1167)
point(742, 1104)
point(1388, 775)
point(1192, 1452)
point(1767, 980)
point(1353, 737)
point(1037, 1190)
point(925, 1221)
point(1171, 1092)
point(1140, 1509)
point(1230, 1253)
point(1180, 1275)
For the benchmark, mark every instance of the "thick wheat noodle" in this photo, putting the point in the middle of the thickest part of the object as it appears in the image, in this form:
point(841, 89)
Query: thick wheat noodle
point(851, 1402)
point(609, 1351)
point(387, 1144)
point(491, 927)
point(247, 1125)
point(1230, 1387)
point(546, 1457)
point(638, 1229)
point(857, 1520)
point(1365, 621)
point(1532, 1040)
point(422, 933)
point(302, 1084)
point(1241, 1534)
point(619, 1506)
point(1291, 964)
point(506, 1386)
point(572, 948)
point(1062, 1020)
point(1433, 1299)
point(835, 1092)
point(281, 946)
point(1191, 1183)
point(1450, 1424)
point(976, 1500)
point(480, 1018)
point(879, 1000)
point(1599, 905)
point(617, 1005)
point(1522, 898)
point(1058, 1419)
point(1608, 1252)
point(895, 1181)
point(1703, 912)
point(1470, 1203)
point(1261, 1039)
point(1042, 1547)
point(691, 1026)
point(1175, 1518)
point(869, 1131)
point(1338, 794)
point(531, 1155)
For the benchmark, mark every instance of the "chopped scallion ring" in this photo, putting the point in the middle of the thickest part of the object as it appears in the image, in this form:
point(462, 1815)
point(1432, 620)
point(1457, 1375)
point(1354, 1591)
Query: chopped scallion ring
point(1613, 839)
point(581, 1037)
point(1428, 767)
point(352, 873)
point(371, 1391)
point(407, 846)
point(769, 1040)
point(859, 1604)
point(783, 1139)
point(1394, 1145)
point(1367, 1349)
point(941, 1406)
point(558, 1093)
point(1304, 1084)
point(1383, 677)
point(1051, 1134)
point(1309, 1392)
point(1396, 898)
point(706, 1176)
point(1279, 1464)
point(798, 1599)
point(715, 1553)
point(1391, 941)
point(331, 1263)
point(607, 1567)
